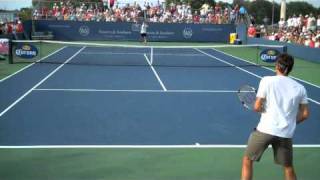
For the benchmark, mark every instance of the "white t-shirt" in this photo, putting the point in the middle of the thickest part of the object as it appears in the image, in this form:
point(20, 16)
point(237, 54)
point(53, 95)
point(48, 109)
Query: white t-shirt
point(290, 22)
point(282, 23)
point(283, 96)
point(143, 28)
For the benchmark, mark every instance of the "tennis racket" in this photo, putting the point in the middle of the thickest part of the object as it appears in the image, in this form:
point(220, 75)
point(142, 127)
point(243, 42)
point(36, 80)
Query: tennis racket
point(247, 96)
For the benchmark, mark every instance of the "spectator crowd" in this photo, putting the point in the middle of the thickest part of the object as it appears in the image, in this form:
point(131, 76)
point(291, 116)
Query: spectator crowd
point(159, 12)
point(7, 27)
point(303, 30)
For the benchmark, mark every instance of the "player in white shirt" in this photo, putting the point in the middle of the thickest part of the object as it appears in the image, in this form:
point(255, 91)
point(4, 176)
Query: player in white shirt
point(282, 103)
point(143, 32)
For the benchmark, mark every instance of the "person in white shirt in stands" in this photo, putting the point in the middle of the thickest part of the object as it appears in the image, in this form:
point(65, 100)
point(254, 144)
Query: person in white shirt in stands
point(143, 32)
point(290, 22)
point(282, 24)
point(282, 103)
point(311, 23)
point(317, 44)
point(318, 23)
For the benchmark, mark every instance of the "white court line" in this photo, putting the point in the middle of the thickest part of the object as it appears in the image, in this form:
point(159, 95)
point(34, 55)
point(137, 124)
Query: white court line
point(180, 55)
point(314, 101)
point(140, 90)
point(145, 90)
point(141, 53)
point(5, 78)
point(194, 146)
point(242, 69)
point(37, 85)
point(109, 53)
point(155, 73)
point(267, 68)
point(230, 64)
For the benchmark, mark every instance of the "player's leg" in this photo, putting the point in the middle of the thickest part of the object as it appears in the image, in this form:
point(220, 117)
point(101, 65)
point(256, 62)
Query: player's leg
point(247, 168)
point(145, 38)
point(289, 173)
point(283, 155)
point(257, 144)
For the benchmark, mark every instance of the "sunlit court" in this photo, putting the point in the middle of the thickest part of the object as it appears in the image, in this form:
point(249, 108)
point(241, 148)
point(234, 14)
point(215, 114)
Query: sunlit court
point(83, 96)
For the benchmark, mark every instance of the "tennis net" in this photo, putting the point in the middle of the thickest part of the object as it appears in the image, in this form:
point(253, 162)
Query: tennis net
point(58, 52)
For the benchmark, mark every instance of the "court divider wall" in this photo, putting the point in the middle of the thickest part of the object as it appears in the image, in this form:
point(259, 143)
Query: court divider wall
point(127, 31)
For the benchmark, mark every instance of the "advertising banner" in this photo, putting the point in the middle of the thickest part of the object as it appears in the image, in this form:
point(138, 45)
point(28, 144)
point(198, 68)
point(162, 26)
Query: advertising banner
point(77, 30)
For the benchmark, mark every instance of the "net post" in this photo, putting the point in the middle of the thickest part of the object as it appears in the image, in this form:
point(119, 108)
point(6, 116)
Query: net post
point(258, 50)
point(40, 50)
point(285, 49)
point(10, 58)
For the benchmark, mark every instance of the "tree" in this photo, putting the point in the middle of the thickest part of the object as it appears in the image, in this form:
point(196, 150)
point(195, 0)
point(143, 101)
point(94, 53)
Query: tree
point(198, 4)
point(261, 9)
point(25, 14)
point(304, 8)
point(238, 2)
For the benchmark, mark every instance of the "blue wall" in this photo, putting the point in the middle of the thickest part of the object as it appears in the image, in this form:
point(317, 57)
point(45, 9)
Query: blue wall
point(75, 31)
point(242, 32)
point(310, 54)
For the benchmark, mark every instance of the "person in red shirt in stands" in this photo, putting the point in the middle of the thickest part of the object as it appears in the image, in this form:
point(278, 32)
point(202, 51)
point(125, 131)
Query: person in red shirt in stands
point(8, 28)
point(312, 41)
point(64, 10)
point(196, 18)
point(55, 9)
point(252, 31)
point(19, 27)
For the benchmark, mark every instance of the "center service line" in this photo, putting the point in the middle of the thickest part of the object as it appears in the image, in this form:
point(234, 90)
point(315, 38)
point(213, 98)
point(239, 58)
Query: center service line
point(155, 73)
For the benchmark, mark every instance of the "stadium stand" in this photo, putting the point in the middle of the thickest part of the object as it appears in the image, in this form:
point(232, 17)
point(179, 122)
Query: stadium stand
point(302, 29)
point(173, 13)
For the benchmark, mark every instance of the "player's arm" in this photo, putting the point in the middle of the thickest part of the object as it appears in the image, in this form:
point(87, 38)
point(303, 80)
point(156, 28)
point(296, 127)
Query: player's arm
point(261, 96)
point(303, 113)
point(258, 105)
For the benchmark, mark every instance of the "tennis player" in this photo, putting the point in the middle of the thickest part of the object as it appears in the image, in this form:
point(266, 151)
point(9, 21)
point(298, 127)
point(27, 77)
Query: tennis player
point(282, 103)
point(143, 32)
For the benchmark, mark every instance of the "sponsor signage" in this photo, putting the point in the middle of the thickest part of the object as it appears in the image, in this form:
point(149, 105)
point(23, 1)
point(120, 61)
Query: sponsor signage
point(187, 33)
point(84, 30)
point(167, 32)
point(26, 51)
point(269, 55)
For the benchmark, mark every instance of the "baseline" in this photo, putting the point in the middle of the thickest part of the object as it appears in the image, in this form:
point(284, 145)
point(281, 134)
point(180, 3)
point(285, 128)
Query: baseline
point(194, 146)
point(139, 90)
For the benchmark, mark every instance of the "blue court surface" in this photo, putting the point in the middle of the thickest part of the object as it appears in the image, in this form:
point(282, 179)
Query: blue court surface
point(64, 104)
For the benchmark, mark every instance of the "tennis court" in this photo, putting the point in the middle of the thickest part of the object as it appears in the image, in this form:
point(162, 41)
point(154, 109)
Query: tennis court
point(173, 112)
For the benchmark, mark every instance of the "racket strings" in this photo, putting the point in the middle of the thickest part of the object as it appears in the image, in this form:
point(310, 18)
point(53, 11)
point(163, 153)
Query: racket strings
point(247, 96)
